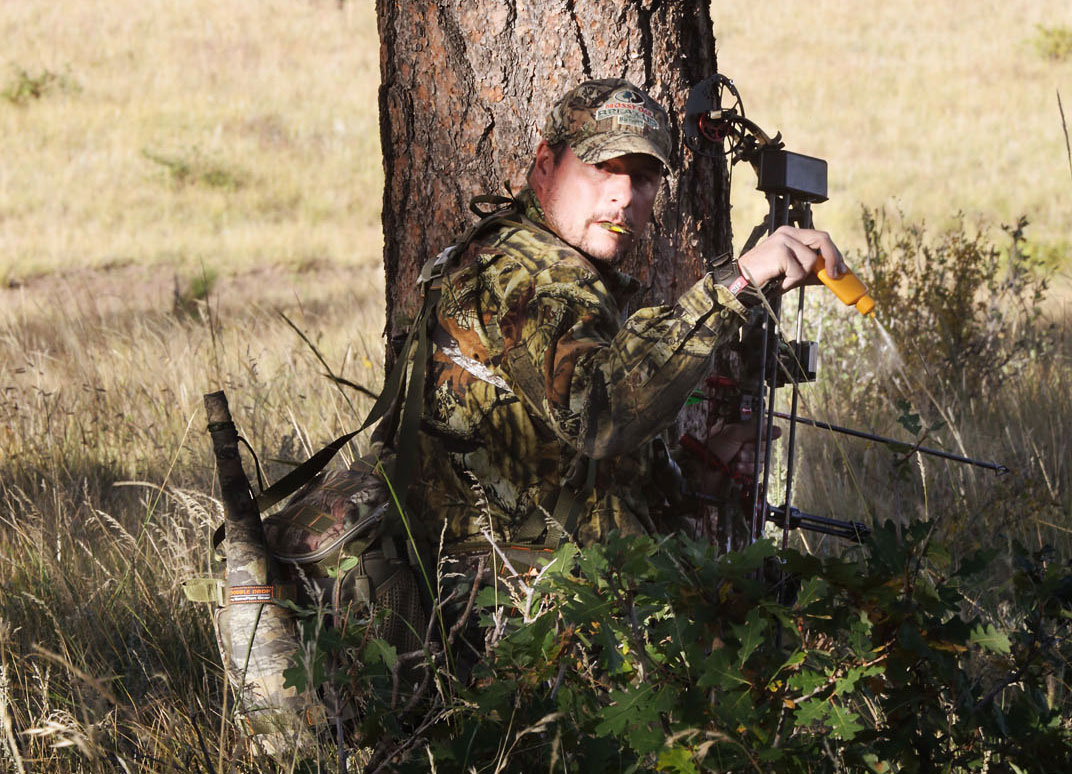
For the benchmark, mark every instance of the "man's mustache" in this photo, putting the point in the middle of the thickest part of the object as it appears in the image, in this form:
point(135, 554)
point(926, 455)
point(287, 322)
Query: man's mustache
point(617, 223)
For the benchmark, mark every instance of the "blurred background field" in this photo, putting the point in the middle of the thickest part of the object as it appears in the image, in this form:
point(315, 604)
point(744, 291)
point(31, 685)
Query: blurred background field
point(233, 135)
point(928, 108)
point(174, 175)
point(182, 134)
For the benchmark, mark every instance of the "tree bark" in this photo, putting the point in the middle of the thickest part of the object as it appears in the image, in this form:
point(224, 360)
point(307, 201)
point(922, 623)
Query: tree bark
point(465, 87)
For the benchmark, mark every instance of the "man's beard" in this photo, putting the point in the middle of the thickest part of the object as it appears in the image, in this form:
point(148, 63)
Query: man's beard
point(588, 240)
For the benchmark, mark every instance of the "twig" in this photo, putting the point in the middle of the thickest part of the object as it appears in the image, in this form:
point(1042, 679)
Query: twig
point(425, 652)
point(200, 739)
point(1033, 651)
point(419, 693)
point(316, 353)
point(387, 755)
point(352, 385)
point(561, 672)
point(463, 619)
point(1064, 125)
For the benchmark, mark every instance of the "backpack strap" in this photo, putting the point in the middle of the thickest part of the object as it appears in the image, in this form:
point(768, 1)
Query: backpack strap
point(405, 398)
point(570, 502)
point(492, 210)
point(417, 355)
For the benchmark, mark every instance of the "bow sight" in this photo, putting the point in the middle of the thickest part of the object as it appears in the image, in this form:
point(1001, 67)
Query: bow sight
point(748, 373)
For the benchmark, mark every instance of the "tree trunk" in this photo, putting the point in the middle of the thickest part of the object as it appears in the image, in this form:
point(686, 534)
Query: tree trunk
point(466, 85)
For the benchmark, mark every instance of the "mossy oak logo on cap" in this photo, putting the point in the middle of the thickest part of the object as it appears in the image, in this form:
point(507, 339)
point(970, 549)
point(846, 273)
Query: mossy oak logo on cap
point(627, 106)
point(628, 95)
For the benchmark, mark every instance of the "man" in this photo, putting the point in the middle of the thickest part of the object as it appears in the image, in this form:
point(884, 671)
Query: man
point(542, 402)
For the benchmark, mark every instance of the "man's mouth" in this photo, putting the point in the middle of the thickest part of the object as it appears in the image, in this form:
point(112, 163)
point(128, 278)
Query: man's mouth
point(617, 228)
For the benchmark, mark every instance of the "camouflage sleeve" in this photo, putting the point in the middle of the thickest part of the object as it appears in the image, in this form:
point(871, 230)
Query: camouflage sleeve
point(605, 387)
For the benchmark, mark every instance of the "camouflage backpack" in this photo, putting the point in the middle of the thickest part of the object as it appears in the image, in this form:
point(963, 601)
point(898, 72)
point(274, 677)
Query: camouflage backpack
point(326, 553)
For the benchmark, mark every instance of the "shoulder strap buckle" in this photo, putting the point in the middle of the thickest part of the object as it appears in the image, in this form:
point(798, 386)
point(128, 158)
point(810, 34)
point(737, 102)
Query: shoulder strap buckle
point(433, 269)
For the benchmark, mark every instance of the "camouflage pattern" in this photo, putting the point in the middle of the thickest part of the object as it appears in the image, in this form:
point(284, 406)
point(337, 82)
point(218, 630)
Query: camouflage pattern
point(326, 514)
point(258, 639)
point(533, 366)
point(604, 119)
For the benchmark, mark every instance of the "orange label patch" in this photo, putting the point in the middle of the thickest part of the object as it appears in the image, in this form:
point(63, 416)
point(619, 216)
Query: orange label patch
point(248, 595)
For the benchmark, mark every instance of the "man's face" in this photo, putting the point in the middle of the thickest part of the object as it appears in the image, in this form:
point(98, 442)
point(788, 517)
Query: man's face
point(597, 208)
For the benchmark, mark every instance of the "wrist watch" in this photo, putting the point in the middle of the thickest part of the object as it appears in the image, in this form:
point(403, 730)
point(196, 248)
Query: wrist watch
point(728, 274)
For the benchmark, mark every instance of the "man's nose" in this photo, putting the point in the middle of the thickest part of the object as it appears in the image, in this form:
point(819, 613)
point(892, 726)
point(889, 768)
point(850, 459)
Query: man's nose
point(620, 188)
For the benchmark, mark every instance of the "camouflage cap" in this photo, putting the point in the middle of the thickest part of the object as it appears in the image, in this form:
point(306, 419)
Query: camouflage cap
point(606, 118)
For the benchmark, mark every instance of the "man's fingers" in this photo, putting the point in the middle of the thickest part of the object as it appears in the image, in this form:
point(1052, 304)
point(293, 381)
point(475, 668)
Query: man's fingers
point(792, 254)
point(799, 264)
point(821, 242)
point(725, 446)
point(735, 444)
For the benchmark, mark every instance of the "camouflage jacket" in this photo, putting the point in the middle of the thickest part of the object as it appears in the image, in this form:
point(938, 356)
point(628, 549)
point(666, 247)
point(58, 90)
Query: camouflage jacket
point(534, 367)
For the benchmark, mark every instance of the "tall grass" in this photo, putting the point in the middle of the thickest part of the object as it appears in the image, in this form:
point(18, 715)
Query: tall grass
point(106, 502)
point(106, 486)
point(990, 389)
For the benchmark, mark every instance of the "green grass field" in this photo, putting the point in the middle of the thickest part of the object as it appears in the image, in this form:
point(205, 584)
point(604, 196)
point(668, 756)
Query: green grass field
point(175, 177)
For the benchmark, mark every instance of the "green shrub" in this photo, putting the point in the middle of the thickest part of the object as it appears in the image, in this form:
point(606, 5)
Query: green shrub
point(191, 295)
point(964, 315)
point(1053, 43)
point(966, 361)
point(193, 168)
point(26, 87)
point(643, 655)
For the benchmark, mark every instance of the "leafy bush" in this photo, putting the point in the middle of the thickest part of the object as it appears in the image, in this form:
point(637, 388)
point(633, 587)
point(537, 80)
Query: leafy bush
point(963, 315)
point(964, 357)
point(644, 655)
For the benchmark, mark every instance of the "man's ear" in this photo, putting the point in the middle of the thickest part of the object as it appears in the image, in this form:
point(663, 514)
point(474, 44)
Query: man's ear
point(543, 165)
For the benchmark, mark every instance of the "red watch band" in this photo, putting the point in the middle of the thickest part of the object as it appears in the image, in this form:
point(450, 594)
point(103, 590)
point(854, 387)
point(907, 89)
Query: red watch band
point(738, 285)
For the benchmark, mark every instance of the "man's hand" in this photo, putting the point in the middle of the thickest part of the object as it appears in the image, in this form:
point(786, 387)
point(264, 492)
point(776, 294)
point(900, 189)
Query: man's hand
point(735, 445)
point(791, 254)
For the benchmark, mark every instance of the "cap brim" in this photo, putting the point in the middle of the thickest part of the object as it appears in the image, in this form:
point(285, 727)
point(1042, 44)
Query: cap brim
point(610, 145)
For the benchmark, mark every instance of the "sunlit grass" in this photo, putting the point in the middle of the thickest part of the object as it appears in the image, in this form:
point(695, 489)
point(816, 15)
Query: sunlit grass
point(219, 163)
point(278, 98)
point(933, 108)
point(106, 486)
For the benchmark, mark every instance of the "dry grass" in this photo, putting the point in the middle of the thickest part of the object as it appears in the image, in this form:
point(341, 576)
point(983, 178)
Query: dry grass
point(932, 108)
point(1024, 425)
point(270, 109)
point(105, 501)
point(272, 105)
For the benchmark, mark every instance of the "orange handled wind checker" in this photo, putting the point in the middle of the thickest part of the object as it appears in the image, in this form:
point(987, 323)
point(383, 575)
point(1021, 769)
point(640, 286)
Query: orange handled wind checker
point(848, 288)
point(748, 372)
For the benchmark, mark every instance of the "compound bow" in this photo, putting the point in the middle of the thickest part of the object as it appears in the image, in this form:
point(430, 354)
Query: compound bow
point(748, 373)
